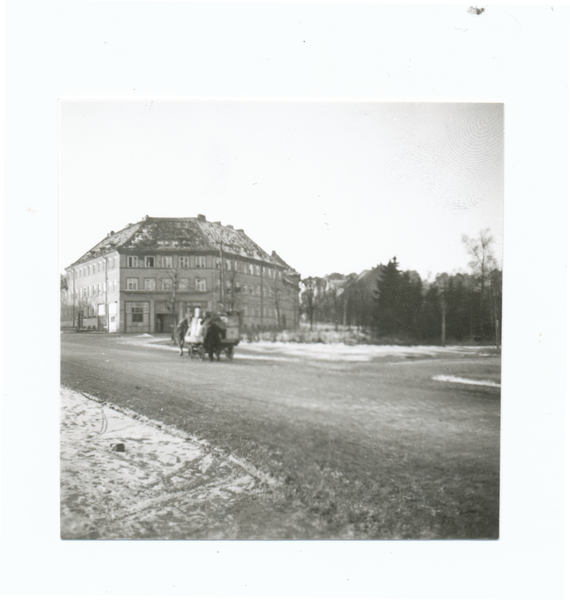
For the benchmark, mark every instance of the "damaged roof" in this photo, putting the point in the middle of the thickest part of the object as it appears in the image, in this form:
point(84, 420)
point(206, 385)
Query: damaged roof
point(183, 234)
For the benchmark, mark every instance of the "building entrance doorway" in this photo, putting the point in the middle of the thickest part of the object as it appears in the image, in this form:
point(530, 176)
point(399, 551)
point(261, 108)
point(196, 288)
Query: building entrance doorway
point(164, 323)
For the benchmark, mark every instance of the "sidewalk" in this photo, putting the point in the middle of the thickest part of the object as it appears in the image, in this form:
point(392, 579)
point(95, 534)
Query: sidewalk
point(162, 486)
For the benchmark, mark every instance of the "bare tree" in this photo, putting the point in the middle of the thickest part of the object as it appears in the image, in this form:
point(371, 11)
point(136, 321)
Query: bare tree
point(311, 296)
point(482, 263)
point(334, 282)
point(232, 294)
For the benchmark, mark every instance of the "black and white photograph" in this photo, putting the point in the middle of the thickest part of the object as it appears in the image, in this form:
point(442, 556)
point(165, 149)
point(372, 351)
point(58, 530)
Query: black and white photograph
point(280, 320)
point(285, 300)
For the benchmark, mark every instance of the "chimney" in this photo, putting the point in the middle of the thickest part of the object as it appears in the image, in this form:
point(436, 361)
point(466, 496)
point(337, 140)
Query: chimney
point(230, 226)
point(240, 230)
point(201, 217)
point(217, 222)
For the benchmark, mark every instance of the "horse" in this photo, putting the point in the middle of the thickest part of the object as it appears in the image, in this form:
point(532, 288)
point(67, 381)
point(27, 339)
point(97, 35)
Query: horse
point(213, 341)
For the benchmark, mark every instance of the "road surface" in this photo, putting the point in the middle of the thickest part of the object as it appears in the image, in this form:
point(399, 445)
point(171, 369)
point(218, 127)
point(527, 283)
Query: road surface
point(360, 443)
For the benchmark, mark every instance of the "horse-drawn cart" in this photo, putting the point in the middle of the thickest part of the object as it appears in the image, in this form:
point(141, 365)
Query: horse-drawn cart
point(212, 335)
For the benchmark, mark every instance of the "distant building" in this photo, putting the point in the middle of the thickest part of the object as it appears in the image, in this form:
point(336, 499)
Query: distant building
point(147, 276)
point(357, 296)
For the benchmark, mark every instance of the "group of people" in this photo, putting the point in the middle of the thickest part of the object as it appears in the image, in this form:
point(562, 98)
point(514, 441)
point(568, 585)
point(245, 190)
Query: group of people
point(209, 329)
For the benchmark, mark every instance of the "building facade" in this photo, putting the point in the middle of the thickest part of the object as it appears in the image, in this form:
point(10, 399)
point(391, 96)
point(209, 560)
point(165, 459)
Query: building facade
point(147, 276)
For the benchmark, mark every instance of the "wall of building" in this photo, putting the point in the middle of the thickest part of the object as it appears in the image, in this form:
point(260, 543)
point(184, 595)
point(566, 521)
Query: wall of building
point(104, 298)
point(93, 286)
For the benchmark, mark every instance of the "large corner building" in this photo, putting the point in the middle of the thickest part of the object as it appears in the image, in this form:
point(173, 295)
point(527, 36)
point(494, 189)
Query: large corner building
point(145, 277)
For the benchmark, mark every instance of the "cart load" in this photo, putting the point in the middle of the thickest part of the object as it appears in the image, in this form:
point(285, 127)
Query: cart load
point(213, 334)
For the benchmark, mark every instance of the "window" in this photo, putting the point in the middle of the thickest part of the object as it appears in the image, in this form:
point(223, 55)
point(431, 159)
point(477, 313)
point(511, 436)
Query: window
point(132, 283)
point(200, 284)
point(257, 270)
point(257, 291)
point(245, 311)
point(149, 262)
point(93, 291)
point(98, 267)
point(132, 261)
point(228, 264)
point(114, 284)
point(200, 262)
point(218, 262)
point(150, 285)
point(250, 269)
point(167, 262)
point(136, 313)
point(184, 285)
point(184, 262)
point(166, 284)
point(251, 290)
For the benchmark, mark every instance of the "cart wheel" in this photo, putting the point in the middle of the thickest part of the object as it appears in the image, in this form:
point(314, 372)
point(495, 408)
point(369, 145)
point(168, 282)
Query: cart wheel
point(230, 352)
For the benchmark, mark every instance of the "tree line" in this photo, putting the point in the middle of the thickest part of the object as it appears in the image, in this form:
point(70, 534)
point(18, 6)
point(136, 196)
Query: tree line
point(398, 305)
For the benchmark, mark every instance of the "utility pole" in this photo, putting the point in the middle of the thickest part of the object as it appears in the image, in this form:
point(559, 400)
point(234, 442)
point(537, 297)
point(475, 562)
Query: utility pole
point(261, 271)
point(73, 305)
point(106, 295)
point(222, 277)
point(443, 308)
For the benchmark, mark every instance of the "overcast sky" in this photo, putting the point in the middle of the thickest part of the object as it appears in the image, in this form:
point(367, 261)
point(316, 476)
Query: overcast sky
point(331, 186)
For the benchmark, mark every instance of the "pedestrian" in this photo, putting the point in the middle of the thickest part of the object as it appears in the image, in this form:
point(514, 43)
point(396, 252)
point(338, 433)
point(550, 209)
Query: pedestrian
point(181, 330)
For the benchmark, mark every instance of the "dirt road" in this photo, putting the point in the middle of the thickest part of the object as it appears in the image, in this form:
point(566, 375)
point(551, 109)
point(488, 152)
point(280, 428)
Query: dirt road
point(361, 443)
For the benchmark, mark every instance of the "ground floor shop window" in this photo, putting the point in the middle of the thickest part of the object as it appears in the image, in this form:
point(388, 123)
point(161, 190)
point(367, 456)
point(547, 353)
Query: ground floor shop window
point(137, 316)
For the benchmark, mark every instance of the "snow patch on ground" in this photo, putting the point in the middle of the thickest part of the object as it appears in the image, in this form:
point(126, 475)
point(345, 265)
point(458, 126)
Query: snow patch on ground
point(161, 487)
point(357, 353)
point(324, 352)
point(451, 379)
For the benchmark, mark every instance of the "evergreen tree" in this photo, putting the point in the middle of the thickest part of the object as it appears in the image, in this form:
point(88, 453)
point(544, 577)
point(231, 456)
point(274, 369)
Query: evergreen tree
point(388, 299)
point(410, 304)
